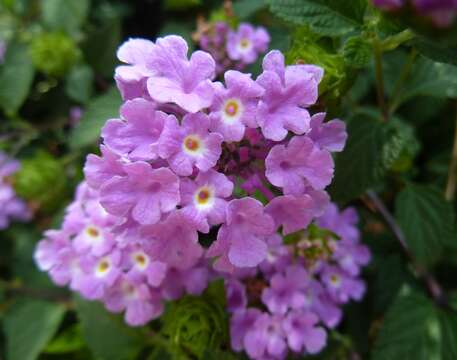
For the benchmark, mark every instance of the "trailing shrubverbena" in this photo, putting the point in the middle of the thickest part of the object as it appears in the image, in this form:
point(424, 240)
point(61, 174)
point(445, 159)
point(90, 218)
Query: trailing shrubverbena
point(189, 158)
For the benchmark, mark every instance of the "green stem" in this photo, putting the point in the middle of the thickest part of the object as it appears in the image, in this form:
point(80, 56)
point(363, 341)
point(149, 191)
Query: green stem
point(406, 70)
point(392, 42)
point(452, 175)
point(380, 79)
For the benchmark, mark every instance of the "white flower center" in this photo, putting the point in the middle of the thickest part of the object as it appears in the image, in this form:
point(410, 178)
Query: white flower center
point(204, 197)
point(141, 260)
point(103, 267)
point(192, 144)
point(244, 45)
point(232, 110)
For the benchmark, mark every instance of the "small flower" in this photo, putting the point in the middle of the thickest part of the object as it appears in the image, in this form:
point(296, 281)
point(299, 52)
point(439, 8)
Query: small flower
point(297, 165)
point(285, 290)
point(236, 295)
point(178, 80)
point(190, 144)
point(330, 136)
point(137, 133)
point(241, 240)
point(193, 280)
point(302, 332)
point(142, 269)
point(240, 323)
point(234, 108)
point(341, 286)
point(141, 304)
point(247, 43)
point(203, 200)
point(173, 241)
point(145, 193)
point(287, 91)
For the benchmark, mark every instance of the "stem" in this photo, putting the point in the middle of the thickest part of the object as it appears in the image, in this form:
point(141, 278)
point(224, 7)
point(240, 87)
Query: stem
point(452, 175)
point(380, 79)
point(432, 285)
point(406, 70)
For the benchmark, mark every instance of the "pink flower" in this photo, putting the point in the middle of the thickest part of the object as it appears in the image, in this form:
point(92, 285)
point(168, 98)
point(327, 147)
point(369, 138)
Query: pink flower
point(297, 165)
point(178, 80)
point(190, 144)
point(330, 136)
point(246, 43)
point(241, 240)
point(287, 91)
point(203, 200)
point(145, 193)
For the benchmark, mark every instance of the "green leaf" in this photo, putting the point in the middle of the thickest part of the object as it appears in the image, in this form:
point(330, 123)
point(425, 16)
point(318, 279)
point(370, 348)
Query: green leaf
point(246, 8)
point(79, 84)
point(66, 15)
point(181, 4)
point(415, 329)
point(357, 51)
point(29, 325)
point(68, 341)
point(16, 77)
point(429, 78)
point(98, 111)
point(426, 219)
point(359, 166)
point(106, 335)
point(437, 52)
point(103, 58)
point(325, 17)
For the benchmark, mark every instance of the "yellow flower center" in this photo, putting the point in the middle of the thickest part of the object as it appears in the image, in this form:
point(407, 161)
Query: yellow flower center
point(192, 143)
point(244, 43)
point(231, 108)
point(92, 232)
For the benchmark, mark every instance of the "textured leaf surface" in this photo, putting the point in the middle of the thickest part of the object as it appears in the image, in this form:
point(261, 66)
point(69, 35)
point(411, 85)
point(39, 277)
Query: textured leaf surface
point(326, 17)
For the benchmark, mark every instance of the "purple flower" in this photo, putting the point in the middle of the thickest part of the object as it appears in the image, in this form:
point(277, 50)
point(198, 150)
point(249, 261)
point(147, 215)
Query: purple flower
point(246, 43)
point(351, 256)
point(240, 323)
point(302, 332)
point(241, 240)
point(341, 223)
point(193, 280)
point(341, 286)
point(330, 136)
point(99, 170)
point(297, 165)
point(389, 4)
point(99, 274)
point(203, 200)
point(136, 136)
point(266, 339)
point(294, 213)
point(286, 290)
point(234, 108)
point(287, 91)
point(190, 144)
point(441, 12)
point(178, 80)
point(131, 78)
point(173, 241)
point(145, 193)
point(236, 295)
point(141, 268)
point(141, 304)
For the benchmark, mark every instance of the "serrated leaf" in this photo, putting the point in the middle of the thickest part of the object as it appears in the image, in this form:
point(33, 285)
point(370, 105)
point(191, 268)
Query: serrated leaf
point(359, 166)
point(415, 329)
point(357, 52)
point(325, 17)
point(29, 325)
point(426, 219)
point(431, 79)
point(67, 15)
point(106, 335)
point(79, 84)
point(98, 111)
point(437, 52)
point(16, 77)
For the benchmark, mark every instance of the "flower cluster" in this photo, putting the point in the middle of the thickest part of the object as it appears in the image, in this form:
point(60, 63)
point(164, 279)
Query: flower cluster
point(188, 158)
point(233, 49)
point(302, 288)
point(441, 12)
point(11, 207)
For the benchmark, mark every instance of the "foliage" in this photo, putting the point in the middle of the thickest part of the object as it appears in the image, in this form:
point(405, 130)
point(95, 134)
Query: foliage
point(391, 77)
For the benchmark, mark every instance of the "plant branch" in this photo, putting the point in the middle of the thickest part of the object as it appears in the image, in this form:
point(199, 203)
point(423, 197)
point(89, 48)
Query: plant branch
point(380, 79)
point(406, 70)
point(452, 175)
point(432, 285)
